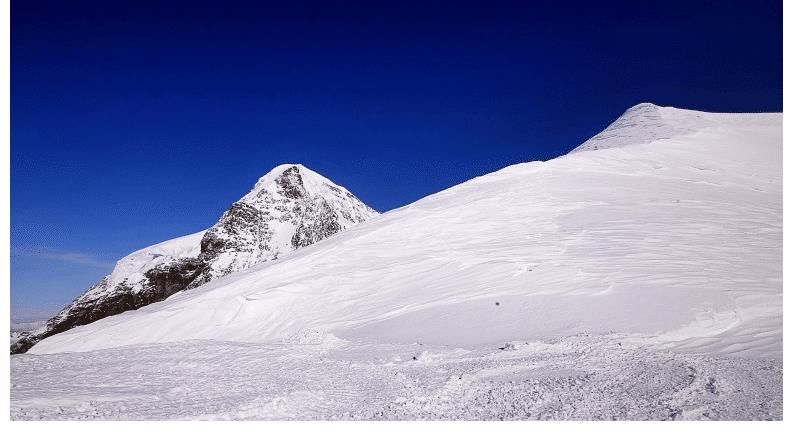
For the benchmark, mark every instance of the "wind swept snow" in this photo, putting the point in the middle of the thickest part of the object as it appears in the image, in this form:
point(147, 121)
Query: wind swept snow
point(660, 240)
point(677, 241)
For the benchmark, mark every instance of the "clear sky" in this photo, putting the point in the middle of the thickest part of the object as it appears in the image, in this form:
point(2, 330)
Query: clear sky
point(134, 122)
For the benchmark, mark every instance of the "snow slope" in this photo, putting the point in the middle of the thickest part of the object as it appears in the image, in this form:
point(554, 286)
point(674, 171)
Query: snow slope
point(132, 268)
point(666, 229)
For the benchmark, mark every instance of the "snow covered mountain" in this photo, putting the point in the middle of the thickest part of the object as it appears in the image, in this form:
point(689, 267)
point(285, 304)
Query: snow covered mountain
point(639, 277)
point(20, 329)
point(665, 230)
point(289, 208)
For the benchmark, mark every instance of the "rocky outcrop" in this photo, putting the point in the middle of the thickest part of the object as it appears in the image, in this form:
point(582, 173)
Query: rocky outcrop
point(289, 208)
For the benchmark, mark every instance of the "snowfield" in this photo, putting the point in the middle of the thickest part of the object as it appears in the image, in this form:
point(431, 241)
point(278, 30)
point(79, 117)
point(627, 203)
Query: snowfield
point(579, 377)
point(638, 277)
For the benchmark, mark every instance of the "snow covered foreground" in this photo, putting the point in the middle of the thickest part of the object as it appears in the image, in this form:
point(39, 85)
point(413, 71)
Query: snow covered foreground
point(659, 240)
point(580, 377)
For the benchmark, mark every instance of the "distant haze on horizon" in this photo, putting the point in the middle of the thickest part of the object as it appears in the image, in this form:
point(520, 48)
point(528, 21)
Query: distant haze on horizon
point(137, 122)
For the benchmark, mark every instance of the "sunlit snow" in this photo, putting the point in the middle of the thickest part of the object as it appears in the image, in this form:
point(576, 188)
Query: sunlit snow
point(644, 267)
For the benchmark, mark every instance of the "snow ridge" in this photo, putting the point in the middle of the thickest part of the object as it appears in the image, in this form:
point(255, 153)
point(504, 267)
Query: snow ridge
point(647, 123)
point(640, 124)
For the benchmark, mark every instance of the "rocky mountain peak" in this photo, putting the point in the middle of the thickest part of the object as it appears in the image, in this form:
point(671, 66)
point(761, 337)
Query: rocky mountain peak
point(290, 183)
point(289, 208)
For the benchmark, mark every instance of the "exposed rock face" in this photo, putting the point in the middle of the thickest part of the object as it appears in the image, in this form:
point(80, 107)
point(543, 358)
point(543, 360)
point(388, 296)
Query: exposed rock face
point(289, 208)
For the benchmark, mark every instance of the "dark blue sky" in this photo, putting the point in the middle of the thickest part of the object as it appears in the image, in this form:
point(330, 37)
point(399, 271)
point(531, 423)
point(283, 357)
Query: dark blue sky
point(135, 122)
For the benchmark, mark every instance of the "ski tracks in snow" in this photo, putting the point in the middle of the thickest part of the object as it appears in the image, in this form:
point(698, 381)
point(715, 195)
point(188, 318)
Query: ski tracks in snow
point(581, 377)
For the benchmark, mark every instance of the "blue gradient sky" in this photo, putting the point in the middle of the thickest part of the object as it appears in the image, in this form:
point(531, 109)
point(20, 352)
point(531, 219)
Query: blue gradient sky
point(135, 122)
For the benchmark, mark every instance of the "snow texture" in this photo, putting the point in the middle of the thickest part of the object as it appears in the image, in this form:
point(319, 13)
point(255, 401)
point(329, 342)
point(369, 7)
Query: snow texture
point(650, 258)
point(575, 378)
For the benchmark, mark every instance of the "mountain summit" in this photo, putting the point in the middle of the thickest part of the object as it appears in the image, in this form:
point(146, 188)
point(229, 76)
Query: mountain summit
point(647, 123)
point(289, 208)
